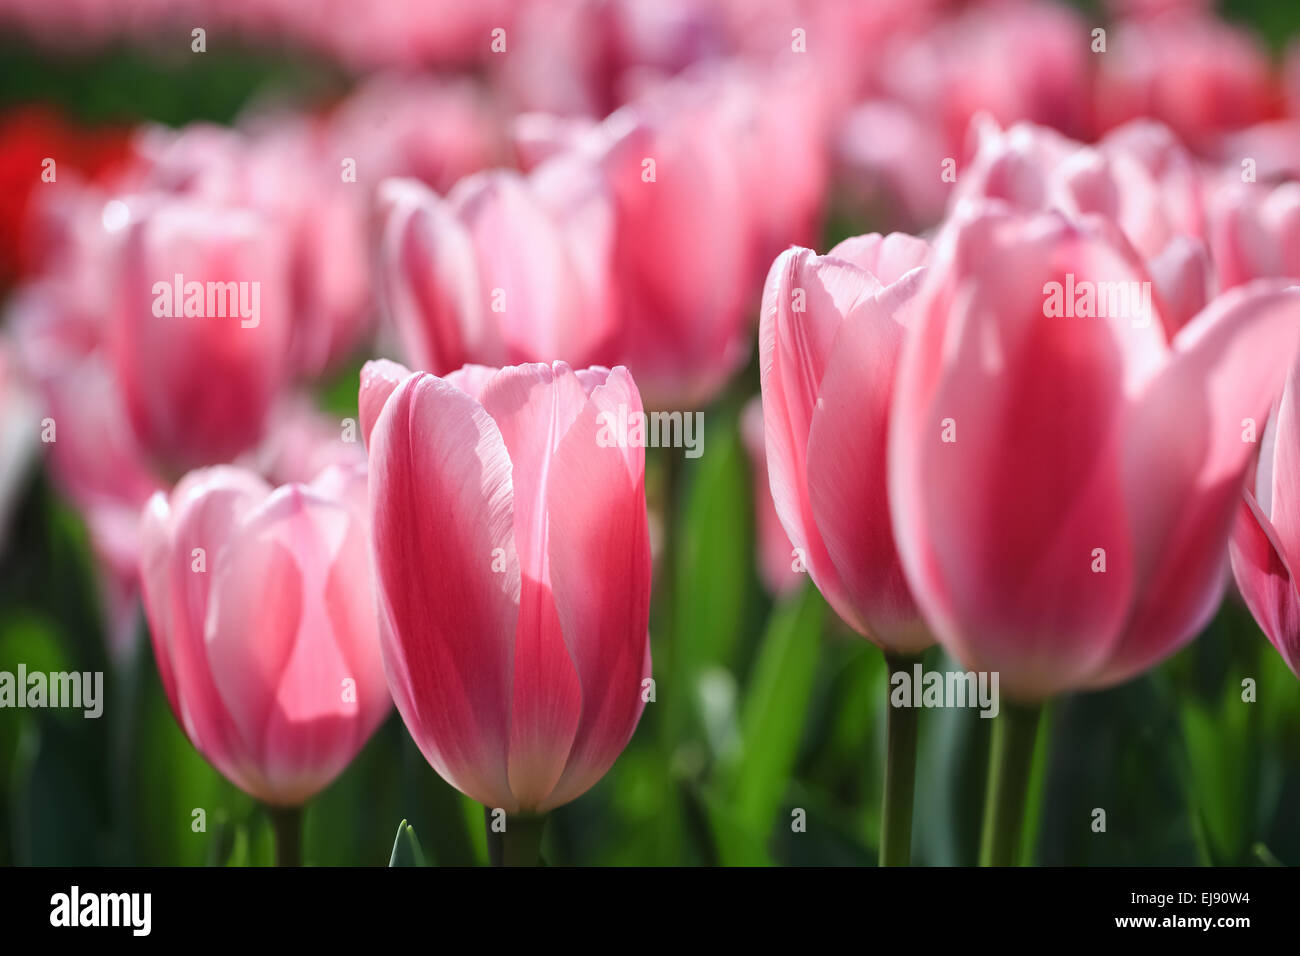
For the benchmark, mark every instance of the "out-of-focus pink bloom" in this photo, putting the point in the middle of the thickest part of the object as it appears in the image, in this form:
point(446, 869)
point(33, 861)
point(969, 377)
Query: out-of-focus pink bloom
point(398, 33)
point(685, 241)
point(1267, 152)
point(786, 186)
point(1265, 542)
point(1053, 526)
point(93, 454)
point(283, 169)
point(201, 330)
point(507, 268)
point(1198, 74)
point(263, 625)
point(436, 131)
point(574, 57)
point(1255, 231)
point(1011, 62)
point(518, 666)
point(891, 161)
point(1151, 8)
point(832, 327)
point(403, 33)
point(1137, 176)
point(778, 563)
point(1014, 61)
point(301, 442)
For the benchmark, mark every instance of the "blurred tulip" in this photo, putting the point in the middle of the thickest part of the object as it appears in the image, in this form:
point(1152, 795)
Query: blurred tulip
point(1137, 176)
point(263, 624)
point(1012, 60)
point(283, 169)
point(1200, 75)
point(200, 328)
point(778, 564)
point(517, 664)
point(1054, 526)
point(831, 331)
point(1255, 232)
point(685, 242)
point(1266, 538)
point(92, 452)
point(435, 130)
point(1265, 153)
point(575, 57)
point(507, 268)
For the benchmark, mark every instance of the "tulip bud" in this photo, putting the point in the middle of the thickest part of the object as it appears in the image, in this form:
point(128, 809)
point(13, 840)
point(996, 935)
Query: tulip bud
point(512, 560)
point(263, 625)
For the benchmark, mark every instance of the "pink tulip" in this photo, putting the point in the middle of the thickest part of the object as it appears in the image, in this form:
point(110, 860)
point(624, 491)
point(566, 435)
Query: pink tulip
point(1266, 538)
point(1062, 486)
point(512, 561)
point(1198, 74)
point(1013, 61)
point(684, 257)
point(831, 331)
point(93, 455)
point(289, 170)
point(198, 387)
point(1255, 231)
point(1270, 152)
point(1137, 176)
point(506, 269)
point(778, 564)
point(263, 624)
point(435, 130)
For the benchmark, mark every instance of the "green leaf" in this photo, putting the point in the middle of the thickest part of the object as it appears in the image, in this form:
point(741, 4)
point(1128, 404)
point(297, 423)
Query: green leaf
point(773, 715)
point(715, 562)
point(406, 848)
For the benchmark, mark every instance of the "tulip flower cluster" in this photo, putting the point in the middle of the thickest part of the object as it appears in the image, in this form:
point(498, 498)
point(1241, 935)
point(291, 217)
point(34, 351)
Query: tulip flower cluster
point(997, 307)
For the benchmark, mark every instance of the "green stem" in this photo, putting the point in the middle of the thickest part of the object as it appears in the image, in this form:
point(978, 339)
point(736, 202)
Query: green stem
point(670, 557)
point(519, 845)
point(1012, 752)
point(286, 822)
point(900, 773)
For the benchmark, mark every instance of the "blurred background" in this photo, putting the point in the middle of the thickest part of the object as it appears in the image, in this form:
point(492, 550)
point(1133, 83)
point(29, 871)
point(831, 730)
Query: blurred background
point(786, 706)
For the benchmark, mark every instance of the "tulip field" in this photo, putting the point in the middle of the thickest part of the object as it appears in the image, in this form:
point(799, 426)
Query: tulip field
point(641, 433)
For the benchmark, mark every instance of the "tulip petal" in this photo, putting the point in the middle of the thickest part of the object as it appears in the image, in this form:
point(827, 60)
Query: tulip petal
point(1004, 458)
point(378, 380)
point(600, 569)
point(180, 547)
point(534, 407)
point(441, 503)
point(804, 302)
point(1264, 577)
point(1228, 366)
point(429, 280)
point(847, 476)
